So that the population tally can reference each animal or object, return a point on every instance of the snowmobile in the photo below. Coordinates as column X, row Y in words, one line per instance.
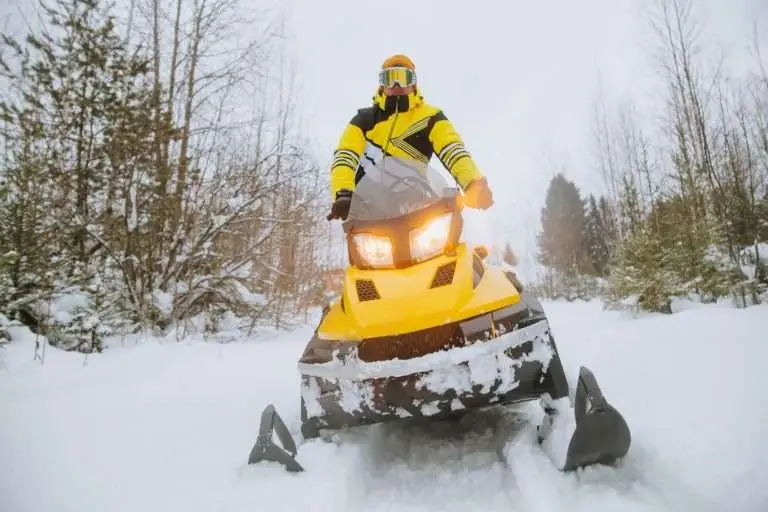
column 426, row 327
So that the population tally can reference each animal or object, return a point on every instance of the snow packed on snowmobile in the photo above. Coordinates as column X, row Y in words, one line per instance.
column 426, row 327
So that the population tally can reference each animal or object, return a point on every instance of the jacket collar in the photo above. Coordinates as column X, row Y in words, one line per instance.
column 415, row 99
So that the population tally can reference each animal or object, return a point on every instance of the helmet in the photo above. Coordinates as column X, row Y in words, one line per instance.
column 399, row 60
column 397, row 69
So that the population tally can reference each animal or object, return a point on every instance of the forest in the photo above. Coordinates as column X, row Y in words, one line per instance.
column 154, row 173
column 684, row 206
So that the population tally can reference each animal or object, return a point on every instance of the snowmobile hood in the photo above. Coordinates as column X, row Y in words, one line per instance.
column 445, row 289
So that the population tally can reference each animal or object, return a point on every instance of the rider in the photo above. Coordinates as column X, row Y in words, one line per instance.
column 402, row 124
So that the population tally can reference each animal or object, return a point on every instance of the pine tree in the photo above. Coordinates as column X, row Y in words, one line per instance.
column 562, row 246
column 29, row 227
column 77, row 133
column 561, row 243
column 136, row 179
column 610, row 227
column 641, row 273
column 761, row 274
column 644, row 268
column 596, row 239
column 509, row 257
column 762, row 209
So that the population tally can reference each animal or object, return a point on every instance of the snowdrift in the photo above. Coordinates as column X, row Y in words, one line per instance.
column 158, row 426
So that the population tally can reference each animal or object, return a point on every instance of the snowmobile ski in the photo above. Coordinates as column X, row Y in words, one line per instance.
column 600, row 436
column 265, row 447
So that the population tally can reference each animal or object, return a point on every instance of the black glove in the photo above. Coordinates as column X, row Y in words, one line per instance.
column 340, row 208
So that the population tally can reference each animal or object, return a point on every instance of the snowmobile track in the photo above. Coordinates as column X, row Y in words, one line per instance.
column 495, row 453
column 419, row 461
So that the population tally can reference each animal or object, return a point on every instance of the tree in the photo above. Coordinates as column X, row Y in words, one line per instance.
column 597, row 238
column 561, row 244
column 685, row 206
column 153, row 186
column 509, row 257
column 76, row 126
column 610, row 225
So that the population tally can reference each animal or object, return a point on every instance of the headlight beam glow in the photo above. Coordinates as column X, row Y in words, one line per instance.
column 375, row 250
column 430, row 239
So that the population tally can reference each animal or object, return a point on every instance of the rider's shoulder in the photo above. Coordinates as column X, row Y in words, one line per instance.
column 430, row 107
column 364, row 118
column 433, row 112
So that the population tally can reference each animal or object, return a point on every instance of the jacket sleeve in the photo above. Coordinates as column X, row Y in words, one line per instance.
column 450, row 149
column 346, row 158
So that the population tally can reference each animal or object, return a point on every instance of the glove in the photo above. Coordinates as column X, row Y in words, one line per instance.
column 340, row 207
column 478, row 195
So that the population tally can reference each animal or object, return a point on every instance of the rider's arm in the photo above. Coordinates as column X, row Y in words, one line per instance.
column 450, row 149
column 346, row 158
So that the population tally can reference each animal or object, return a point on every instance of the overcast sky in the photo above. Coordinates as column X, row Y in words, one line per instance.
column 516, row 77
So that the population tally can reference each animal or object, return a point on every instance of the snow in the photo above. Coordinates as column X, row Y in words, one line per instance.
column 478, row 354
column 163, row 301
column 159, row 425
column 559, row 431
column 133, row 220
column 485, row 364
column 249, row 297
column 64, row 306
column 748, row 256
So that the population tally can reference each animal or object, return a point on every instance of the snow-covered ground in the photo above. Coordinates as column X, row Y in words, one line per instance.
column 168, row 426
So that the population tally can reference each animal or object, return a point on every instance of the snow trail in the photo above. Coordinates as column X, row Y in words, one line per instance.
column 168, row 426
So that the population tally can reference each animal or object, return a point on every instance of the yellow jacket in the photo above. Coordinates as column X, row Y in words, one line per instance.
column 417, row 131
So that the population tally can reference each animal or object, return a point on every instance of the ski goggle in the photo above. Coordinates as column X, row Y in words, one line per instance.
column 403, row 77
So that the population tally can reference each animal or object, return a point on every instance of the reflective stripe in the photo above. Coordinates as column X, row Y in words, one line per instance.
column 452, row 153
column 410, row 150
column 345, row 157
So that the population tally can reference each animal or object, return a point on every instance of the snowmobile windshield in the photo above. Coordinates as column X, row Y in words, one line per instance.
column 395, row 187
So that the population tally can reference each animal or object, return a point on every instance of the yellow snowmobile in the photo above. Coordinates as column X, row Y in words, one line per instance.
column 425, row 327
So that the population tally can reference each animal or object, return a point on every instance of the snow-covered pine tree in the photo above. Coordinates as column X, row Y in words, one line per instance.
column 153, row 191
column 77, row 132
column 643, row 272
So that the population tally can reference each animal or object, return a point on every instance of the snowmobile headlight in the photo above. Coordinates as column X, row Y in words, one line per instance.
column 430, row 239
column 375, row 250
